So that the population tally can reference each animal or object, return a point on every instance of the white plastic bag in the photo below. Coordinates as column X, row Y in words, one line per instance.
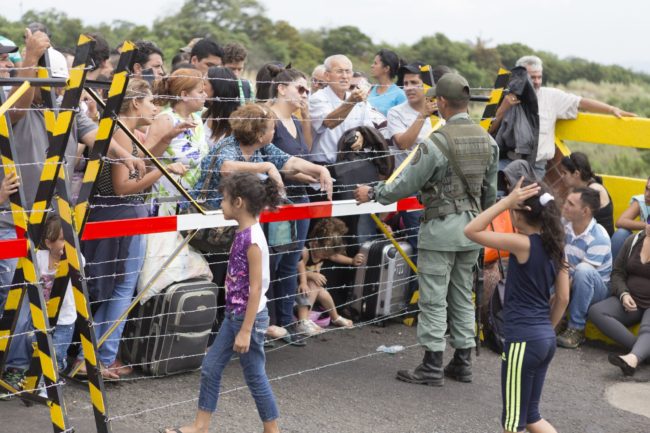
column 188, row 264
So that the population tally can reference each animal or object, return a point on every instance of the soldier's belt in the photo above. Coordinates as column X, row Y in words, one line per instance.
column 454, row 207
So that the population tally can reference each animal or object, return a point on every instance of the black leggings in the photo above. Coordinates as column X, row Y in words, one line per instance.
column 612, row 320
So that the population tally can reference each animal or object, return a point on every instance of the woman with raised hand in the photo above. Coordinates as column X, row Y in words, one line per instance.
column 632, row 219
column 184, row 93
column 116, row 262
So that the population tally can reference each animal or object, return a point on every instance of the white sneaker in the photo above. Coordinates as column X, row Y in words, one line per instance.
column 304, row 327
column 314, row 327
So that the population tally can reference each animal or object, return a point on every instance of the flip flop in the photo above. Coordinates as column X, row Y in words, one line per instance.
column 165, row 430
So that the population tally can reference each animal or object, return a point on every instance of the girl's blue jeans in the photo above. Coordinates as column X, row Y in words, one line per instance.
column 252, row 362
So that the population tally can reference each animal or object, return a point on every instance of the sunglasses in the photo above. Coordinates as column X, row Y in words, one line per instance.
column 302, row 90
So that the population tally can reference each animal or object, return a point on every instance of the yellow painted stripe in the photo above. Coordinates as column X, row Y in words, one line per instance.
column 50, row 120
column 29, row 272
column 13, row 298
column 89, row 350
column 104, row 129
column 96, row 398
column 56, row 415
column 63, row 122
column 11, row 100
column 19, row 215
column 72, row 256
column 47, row 365
column 92, row 169
column 37, row 317
column 38, row 212
column 80, row 302
column 4, row 339
column 4, row 128
column 83, row 39
column 53, row 306
column 76, row 75
column 118, row 84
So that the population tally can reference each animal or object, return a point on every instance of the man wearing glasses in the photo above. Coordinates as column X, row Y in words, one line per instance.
column 335, row 109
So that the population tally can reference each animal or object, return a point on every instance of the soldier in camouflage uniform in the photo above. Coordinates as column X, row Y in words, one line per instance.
column 446, row 256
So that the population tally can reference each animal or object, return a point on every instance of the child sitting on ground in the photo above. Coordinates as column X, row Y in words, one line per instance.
column 326, row 243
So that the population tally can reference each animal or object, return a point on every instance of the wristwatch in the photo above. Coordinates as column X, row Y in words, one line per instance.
column 371, row 193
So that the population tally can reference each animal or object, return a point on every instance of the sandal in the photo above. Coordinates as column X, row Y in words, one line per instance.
column 165, row 430
column 342, row 322
column 120, row 369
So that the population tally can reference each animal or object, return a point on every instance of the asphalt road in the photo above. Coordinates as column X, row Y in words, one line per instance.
column 338, row 383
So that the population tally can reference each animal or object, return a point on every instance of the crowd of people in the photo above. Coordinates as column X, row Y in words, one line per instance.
column 238, row 146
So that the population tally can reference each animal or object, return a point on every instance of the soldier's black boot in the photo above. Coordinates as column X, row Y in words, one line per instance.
column 460, row 367
column 429, row 372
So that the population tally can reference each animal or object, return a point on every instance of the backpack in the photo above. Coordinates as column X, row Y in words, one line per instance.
column 493, row 334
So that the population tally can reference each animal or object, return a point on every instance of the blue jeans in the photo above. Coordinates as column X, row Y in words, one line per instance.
column 252, row 363
column 587, row 288
column 618, row 238
column 285, row 267
column 111, row 309
column 61, row 339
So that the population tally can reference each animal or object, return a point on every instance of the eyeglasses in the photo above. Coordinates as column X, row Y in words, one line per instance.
column 302, row 90
column 342, row 71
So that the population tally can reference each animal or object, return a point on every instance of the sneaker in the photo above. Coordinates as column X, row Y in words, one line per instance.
column 572, row 338
column 14, row 377
column 315, row 329
column 293, row 338
column 303, row 327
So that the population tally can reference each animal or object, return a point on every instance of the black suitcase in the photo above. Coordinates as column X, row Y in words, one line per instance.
column 382, row 282
column 169, row 333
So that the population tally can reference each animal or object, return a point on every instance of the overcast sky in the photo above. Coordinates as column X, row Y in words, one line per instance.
column 603, row 31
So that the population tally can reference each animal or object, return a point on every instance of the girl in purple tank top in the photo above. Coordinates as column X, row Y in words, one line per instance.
column 246, row 319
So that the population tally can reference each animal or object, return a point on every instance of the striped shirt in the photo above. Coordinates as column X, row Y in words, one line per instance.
column 592, row 246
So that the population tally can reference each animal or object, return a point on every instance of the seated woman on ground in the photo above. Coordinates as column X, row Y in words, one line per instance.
column 632, row 219
column 577, row 173
column 326, row 242
column 630, row 305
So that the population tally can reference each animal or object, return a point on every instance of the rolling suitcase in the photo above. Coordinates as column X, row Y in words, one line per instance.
column 169, row 333
column 382, row 282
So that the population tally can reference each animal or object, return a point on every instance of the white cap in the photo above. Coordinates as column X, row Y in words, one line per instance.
column 58, row 64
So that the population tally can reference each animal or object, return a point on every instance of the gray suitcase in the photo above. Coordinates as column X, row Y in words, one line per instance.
column 381, row 285
column 169, row 333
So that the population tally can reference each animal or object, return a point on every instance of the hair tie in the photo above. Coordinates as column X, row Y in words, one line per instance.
column 545, row 198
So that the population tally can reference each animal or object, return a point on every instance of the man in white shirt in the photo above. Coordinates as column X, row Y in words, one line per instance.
column 335, row 109
column 553, row 104
column 408, row 123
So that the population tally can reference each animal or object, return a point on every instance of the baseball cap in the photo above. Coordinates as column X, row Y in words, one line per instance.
column 450, row 86
column 411, row 68
column 58, row 64
column 9, row 47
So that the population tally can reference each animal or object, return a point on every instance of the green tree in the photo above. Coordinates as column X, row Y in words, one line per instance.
column 348, row 40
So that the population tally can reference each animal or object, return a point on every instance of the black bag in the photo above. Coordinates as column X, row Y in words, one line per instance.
column 213, row 240
column 169, row 333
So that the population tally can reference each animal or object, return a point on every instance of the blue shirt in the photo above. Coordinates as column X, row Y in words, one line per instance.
column 526, row 309
column 593, row 247
column 294, row 146
column 384, row 102
column 228, row 150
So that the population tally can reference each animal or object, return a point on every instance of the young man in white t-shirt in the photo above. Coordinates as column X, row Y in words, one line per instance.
column 409, row 122
column 553, row 104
